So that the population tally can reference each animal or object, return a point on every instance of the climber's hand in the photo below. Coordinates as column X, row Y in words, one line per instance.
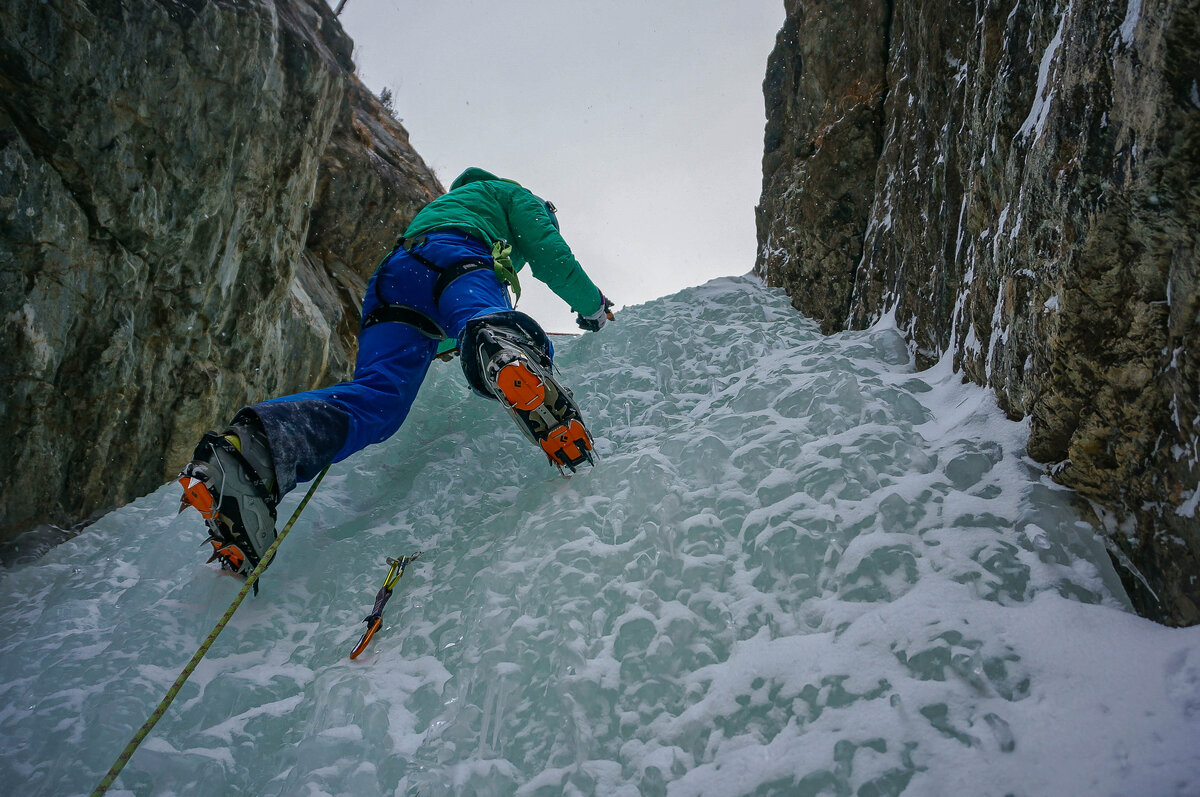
column 593, row 322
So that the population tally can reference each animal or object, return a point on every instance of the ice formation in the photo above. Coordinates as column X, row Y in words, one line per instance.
column 799, row 568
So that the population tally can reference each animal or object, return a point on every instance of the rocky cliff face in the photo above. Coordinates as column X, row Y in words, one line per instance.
column 1019, row 182
column 192, row 195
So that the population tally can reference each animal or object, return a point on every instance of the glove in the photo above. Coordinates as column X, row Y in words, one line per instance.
column 593, row 322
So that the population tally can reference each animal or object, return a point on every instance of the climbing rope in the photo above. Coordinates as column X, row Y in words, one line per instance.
column 157, row 714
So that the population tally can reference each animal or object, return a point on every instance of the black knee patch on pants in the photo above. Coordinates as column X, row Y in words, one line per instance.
column 304, row 437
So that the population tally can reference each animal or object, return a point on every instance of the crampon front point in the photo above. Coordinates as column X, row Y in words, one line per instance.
column 196, row 494
column 569, row 445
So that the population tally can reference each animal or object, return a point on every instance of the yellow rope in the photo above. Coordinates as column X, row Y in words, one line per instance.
column 157, row 714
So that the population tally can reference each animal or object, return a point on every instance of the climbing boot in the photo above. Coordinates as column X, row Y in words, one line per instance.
column 231, row 482
column 541, row 406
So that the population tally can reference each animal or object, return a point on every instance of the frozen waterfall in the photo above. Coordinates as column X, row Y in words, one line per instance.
column 799, row 568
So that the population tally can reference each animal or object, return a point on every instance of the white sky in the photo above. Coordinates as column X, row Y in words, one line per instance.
column 641, row 120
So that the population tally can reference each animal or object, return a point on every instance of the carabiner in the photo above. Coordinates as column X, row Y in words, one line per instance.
column 374, row 620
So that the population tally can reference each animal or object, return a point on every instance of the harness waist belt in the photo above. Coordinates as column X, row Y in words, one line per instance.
column 410, row 244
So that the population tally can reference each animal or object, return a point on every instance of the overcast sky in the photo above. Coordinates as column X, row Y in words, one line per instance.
column 642, row 121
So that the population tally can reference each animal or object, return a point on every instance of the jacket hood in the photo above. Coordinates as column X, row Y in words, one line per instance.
column 472, row 175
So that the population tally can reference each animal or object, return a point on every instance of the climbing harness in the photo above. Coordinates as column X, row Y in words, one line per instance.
column 375, row 619
column 501, row 266
column 165, row 703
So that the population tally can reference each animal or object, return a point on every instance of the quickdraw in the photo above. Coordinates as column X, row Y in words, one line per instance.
column 374, row 620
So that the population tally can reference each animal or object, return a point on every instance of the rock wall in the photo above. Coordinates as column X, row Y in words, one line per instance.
column 1019, row 183
column 192, row 196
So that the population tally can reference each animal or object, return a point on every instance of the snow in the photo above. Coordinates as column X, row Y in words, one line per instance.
column 1043, row 96
column 1133, row 12
column 1190, row 501
column 800, row 567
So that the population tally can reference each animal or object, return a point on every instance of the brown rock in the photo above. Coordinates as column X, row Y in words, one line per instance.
column 1032, row 211
column 187, row 220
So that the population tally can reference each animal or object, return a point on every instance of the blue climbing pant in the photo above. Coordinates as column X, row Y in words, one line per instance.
column 428, row 282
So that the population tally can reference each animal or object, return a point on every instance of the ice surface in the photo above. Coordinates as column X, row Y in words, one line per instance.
column 800, row 568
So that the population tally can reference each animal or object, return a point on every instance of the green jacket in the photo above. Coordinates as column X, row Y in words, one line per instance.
column 495, row 209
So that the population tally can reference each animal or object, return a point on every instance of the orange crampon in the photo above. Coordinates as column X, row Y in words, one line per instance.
column 568, row 445
column 196, row 494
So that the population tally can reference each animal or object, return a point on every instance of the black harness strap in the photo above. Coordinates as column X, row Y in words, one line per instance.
column 411, row 245
column 447, row 274
column 453, row 272
column 400, row 314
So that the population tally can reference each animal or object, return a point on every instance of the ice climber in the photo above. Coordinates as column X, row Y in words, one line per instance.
column 446, row 281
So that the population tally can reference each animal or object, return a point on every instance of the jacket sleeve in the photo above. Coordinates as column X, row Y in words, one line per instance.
column 537, row 241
